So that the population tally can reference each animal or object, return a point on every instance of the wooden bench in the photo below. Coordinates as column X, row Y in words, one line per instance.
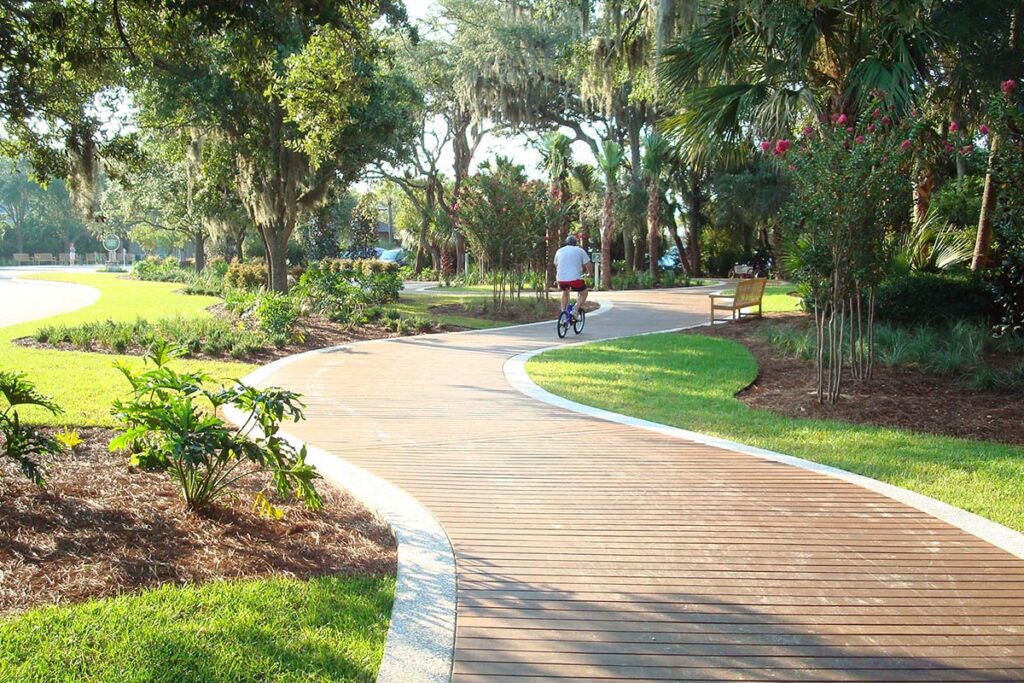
column 22, row 259
column 40, row 259
column 748, row 294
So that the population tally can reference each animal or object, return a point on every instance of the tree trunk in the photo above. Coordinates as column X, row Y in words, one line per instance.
column 983, row 241
column 627, row 245
column 696, row 221
column 200, row 241
column 923, row 194
column 607, row 228
column 276, row 242
column 653, row 225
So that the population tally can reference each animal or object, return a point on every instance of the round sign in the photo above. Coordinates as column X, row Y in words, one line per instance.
column 111, row 242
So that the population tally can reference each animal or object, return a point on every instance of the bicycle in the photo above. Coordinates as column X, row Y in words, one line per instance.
column 569, row 317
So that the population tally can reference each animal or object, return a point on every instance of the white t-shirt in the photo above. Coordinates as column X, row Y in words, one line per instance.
column 569, row 262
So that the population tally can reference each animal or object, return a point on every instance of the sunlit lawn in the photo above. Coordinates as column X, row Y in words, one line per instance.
column 690, row 382
column 273, row 631
column 85, row 384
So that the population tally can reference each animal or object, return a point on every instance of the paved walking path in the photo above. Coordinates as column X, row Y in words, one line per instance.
column 592, row 550
column 25, row 300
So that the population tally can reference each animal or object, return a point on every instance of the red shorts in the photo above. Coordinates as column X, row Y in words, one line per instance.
column 574, row 285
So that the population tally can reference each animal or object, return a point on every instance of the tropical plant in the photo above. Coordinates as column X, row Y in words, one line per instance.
column 556, row 153
column 170, row 423
column 610, row 161
column 24, row 443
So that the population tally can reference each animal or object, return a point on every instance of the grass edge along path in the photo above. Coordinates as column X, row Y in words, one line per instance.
column 276, row 630
column 83, row 383
column 691, row 381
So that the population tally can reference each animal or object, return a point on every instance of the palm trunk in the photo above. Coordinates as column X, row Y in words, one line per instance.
column 607, row 228
column 983, row 241
column 653, row 225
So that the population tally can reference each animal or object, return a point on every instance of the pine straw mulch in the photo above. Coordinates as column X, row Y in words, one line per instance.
column 895, row 397
column 102, row 528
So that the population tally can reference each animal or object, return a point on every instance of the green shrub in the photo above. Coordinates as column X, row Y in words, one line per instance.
column 212, row 336
column 23, row 443
column 278, row 315
column 160, row 270
column 170, row 423
column 207, row 283
column 246, row 275
column 928, row 297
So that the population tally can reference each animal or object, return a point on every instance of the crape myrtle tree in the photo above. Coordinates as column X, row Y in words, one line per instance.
column 302, row 92
column 840, row 220
column 505, row 218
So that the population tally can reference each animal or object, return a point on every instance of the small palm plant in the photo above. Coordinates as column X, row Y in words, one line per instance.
column 170, row 423
column 23, row 443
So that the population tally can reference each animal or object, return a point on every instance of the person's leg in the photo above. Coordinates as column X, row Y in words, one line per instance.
column 565, row 298
column 581, row 298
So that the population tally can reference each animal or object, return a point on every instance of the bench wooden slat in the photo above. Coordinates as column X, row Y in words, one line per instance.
column 749, row 293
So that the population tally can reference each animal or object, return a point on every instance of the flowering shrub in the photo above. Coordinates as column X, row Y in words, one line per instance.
column 845, row 205
column 504, row 217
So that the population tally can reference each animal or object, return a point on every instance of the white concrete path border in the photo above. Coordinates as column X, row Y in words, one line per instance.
column 998, row 535
column 420, row 644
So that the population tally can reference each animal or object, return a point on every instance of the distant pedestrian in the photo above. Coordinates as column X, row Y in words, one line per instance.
column 71, row 254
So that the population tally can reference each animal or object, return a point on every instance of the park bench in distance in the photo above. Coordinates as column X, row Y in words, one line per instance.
column 21, row 259
column 748, row 294
column 41, row 259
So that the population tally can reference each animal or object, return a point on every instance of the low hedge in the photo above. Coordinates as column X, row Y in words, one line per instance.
column 927, row 297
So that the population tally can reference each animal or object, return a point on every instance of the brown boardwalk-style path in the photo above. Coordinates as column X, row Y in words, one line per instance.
column 622, row 554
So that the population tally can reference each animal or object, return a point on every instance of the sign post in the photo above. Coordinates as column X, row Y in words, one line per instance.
column 595, row 257
column 111, row 243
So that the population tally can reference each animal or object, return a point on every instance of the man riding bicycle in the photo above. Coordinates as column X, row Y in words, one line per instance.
column 570, row 263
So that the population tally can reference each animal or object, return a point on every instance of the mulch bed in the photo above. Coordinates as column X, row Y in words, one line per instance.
column 101, row 528
column 896, row 397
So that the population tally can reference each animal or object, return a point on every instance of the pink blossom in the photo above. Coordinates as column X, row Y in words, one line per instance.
column 953, row 126
column 765, row 145
column 846, row 144
column 808, row 131
column 849, row 129
column 835, row 117
column 949, row 148
column 782, row 146
column 886, row 120
column 983, row 129
column 1008, row 86
column 871, row 128
column 876, row 113
column 859, row 139
column 905, row 145
column 842, row 119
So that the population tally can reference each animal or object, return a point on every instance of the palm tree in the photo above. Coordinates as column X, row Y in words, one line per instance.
column 757, row 69
column 583, row 184
column 556, row 153
column 610, row 159
column 656, row 151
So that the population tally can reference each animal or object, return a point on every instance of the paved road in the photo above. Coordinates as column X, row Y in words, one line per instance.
column 621, row 554
column 25, row 300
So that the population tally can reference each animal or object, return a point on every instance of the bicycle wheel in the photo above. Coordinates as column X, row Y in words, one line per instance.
column 581, row 320
column 563, row 324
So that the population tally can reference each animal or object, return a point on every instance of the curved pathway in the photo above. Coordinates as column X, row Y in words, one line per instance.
column 25, row 300
column 619, row 553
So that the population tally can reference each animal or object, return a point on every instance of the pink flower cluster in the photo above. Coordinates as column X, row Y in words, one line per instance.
column 780, row 148
column 1008, row 86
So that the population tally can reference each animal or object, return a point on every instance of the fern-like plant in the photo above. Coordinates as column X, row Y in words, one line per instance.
column 25, row 444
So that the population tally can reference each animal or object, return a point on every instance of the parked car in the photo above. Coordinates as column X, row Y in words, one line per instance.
column 670, row 260
column 399, row 256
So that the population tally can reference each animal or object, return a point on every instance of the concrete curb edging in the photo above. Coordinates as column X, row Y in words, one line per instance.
column 998, row 535
column 420, row 643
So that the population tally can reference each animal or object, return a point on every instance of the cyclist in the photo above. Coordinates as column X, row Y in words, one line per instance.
column 570, row 262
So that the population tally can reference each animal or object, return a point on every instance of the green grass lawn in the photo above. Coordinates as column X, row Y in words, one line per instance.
column 779, row 297
column 690, row 381
column 277, row 630
column 420, row 304
column 85, row 384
